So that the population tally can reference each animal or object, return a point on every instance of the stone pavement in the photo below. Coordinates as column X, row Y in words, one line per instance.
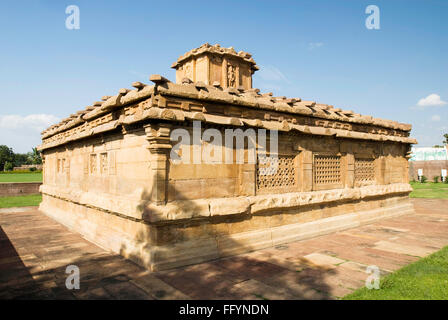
column 35, row 250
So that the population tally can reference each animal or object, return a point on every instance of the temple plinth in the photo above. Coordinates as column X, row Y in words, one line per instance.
column 170, row 174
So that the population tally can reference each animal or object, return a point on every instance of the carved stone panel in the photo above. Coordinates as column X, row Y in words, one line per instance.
column 188, row 70
column 231, row 76
column 104, row 164
column 93, row 164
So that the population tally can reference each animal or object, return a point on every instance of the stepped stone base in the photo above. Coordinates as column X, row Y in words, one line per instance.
column 165, row 245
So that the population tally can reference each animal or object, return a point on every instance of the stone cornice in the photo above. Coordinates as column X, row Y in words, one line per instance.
column 98, row 109
column 162, row 108
column 252, row 99
column 177, row 102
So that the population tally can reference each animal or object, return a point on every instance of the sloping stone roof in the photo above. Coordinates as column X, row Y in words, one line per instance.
column 214, row 94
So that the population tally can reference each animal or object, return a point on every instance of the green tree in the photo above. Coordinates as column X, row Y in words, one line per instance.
column 6, row 155
column 8, row 166
column 446, row 138
column 20, row 159
column 35, row 157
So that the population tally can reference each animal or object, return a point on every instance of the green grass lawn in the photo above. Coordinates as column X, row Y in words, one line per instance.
column 426, row 279
column 20, row 201
column 429, row 190
column 21, row 177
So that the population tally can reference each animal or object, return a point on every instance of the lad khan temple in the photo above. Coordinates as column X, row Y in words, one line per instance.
column 109, row 173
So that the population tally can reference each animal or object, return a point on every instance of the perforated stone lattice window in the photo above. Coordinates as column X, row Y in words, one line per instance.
column 327, row 170
column 364, row 170
column 276, row 172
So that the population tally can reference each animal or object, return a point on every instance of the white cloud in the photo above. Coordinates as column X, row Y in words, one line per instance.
column 435, row 118
column 22, row 133
column 431, row 101
column 314, row 45
column 270, row 73
column 36, row 122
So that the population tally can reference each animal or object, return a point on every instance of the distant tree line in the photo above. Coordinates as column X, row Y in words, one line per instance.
column 9, row 159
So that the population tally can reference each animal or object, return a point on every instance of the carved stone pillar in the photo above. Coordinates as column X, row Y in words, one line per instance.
column 381, row 171
column 348, row 161
column 158, row 136
column 306, row 158
column 43, row 168
column 247, row 177
column 350, row 177
column 383, row 177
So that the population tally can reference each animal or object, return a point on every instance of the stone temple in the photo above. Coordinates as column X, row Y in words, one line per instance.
column 110, row 174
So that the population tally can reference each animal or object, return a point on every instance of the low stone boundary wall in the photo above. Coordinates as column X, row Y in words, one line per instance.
column 19, row 188
column 431, row 168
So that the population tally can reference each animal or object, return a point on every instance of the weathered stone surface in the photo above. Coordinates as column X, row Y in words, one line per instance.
column 141, row 173
column 177, row 210
column 36, row 251
column 403, row 249
column 226, row 207
column 323, row 259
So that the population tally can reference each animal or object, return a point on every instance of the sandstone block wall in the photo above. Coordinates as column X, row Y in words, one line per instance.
column 109, row 171
column 19, row 188
column 430, row 168
column 121, row 194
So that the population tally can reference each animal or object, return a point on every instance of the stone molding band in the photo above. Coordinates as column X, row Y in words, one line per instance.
column 179, row 115
column 149, row 212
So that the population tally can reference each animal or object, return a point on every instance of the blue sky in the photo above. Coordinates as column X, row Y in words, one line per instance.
column 315, row 50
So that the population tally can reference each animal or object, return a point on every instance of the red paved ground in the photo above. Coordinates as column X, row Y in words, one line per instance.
column 35, row 250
